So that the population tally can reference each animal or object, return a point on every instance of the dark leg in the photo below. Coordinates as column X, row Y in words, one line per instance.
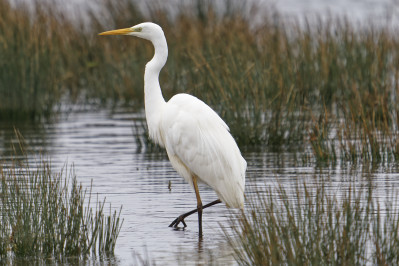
column 180, row 219
column 199, row 209
column 200, row 220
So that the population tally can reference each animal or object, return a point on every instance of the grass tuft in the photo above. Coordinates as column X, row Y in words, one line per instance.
column 312, row 225
column 49, row 215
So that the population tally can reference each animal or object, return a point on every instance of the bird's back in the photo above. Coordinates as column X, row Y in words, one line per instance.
column 198, row 142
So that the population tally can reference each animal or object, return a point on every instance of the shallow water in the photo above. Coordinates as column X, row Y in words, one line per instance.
column 103, row 147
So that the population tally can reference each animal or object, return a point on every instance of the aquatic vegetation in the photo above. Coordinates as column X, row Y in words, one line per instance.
column 46, row 58
column 28, row 68
column 309, row 224
column 49, row 215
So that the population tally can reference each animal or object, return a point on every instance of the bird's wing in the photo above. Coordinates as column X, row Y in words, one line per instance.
column 194, row 135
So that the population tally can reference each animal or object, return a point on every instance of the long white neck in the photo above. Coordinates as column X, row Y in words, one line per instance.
column 154, row 101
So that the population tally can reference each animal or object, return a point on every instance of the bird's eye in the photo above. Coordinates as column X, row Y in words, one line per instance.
column 138, row 29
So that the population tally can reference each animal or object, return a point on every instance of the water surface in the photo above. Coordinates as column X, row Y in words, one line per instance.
column 103, row 147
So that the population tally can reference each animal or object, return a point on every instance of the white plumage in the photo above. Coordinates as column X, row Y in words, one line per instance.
column 198, row 142
column 196, row 139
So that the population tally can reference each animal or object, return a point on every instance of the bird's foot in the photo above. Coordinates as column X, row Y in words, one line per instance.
column 177, row 221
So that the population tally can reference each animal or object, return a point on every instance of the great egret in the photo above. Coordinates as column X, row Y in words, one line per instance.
column 196, row 139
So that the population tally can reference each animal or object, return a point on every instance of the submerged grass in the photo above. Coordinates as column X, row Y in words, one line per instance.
column 325, row 86
column 49, row 215
column 309, row 225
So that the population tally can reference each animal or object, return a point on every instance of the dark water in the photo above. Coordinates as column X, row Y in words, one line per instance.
column 103, row 147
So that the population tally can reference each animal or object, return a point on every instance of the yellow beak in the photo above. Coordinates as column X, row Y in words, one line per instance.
column 117, row 32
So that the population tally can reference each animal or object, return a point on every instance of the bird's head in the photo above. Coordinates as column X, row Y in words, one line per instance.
column 146, row 30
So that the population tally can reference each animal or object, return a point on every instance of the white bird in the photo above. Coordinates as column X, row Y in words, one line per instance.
column 197, row 141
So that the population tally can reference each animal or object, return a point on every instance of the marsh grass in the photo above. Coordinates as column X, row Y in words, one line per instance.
column 46, row 58
column 325, row 86
column 309, row 224
column 280, row 86
column 49, row 215
column 28, row 76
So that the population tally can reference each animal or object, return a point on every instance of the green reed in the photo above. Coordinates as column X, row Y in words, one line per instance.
column 49, row 215
column 307, row 224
